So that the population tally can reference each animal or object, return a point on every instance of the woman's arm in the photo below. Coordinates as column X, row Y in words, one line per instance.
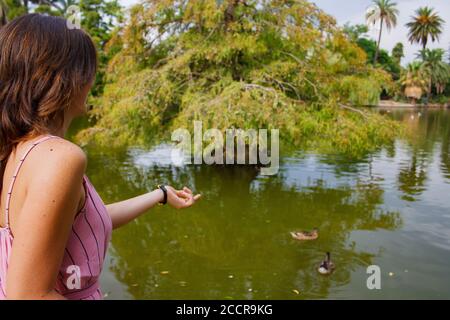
column 41, row 228
column 125, row 211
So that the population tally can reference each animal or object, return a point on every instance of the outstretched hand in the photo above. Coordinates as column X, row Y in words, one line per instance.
column 180, row 199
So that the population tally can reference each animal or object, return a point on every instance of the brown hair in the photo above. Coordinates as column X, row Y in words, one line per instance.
column 43, row 65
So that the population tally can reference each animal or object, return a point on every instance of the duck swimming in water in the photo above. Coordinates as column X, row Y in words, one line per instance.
column 305, row 235
column 327, row 266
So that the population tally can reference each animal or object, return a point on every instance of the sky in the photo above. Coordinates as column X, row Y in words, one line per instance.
column 353, row 11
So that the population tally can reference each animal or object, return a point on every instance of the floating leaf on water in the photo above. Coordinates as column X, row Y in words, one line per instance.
column 183, row 283
column 164, row 272
column 295, row 291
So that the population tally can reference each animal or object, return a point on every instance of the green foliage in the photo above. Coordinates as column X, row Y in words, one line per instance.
column 277, row 64
column 332, row 130
column 358, row 34
column 99, row 19
column 398, row 53
column 355, row 32
column 426, row 25
column 14, row 8
column 387, row 62
column 428, row 73
column 47, row 9
column 362, row 90
column 414, row 75
column 435, row 67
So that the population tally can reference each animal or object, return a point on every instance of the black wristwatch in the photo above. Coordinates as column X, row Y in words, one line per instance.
column 163, row 188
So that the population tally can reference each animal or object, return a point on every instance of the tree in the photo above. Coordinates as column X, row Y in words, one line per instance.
column 424, row 25
column 355, row 32
column 437, row 70
column 100, row 18
column 384, row 12
column 387, row 62
column 53, row 7
column 414, row 80
column 16, row 8
column 398, row 53
column 65, row 4
column 265, row 64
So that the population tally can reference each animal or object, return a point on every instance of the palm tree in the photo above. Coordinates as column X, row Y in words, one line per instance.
column 437, row 70
column 385, row 12
column 398, row 52
column 426, row 24
column 3, row 13
column 414, row 80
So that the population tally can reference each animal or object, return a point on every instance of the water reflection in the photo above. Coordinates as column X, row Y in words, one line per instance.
column 429, row 138
column 236, row 242
column 412, row 177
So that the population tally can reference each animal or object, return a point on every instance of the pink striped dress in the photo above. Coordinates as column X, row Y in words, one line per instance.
column 78, row 276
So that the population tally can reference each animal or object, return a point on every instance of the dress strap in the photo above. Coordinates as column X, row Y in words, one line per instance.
column 13, row 180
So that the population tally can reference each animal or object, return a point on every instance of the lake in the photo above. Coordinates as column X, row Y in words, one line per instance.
column 390, row 209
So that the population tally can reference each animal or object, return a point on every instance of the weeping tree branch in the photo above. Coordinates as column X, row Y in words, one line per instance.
column 363, row 114
column 343, row 106
column 282, row 85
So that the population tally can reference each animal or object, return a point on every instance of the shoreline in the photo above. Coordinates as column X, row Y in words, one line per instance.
column 390, row 104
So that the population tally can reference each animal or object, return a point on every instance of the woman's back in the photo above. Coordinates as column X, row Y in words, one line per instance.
column 85, row 249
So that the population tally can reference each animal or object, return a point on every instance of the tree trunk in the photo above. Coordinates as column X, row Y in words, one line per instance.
column 3, row 19
column 229, row 12
column 430, row 87
column 375, row 59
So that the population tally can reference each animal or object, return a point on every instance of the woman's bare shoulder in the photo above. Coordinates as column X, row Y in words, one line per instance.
column 59, row 156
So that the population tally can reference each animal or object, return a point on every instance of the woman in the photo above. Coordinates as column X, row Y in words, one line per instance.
column 55, row 228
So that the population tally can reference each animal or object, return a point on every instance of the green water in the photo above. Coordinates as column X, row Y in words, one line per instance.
column 390, row 209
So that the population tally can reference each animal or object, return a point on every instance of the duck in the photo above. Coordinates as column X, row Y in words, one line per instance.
column 305, row 235
column 326, row 266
